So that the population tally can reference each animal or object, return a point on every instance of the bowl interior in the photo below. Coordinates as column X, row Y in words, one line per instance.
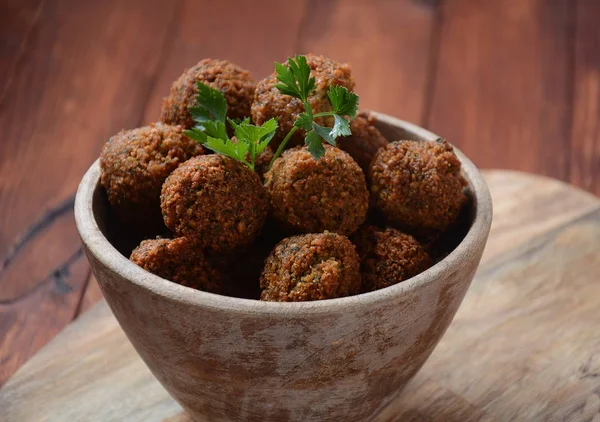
column 124, row 240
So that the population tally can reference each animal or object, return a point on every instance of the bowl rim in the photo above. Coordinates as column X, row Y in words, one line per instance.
column 102, row 250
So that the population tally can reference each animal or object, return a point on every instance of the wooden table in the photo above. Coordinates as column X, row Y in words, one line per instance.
column 523, row 346
column 513, row 83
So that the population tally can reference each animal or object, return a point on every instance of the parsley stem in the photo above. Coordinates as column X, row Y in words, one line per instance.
column 282, row 145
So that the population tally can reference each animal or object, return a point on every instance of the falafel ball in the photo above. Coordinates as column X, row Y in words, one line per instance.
column 178, row 260
column 365, row 140
column 269, row 102
column 262, row 161
column 135, row 163
column 388, row 256
column 216, row 201
column 311, row 267
column 417, row 185
column 310, row 196
column 234, row 82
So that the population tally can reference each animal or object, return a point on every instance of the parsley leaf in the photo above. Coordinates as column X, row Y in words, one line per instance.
column 343, row 102
column 228, row 147
column 295, row 79
column 287, row 85
column 212, row 104
column 216, row 129
column 304, row 121
column 209, row 114
column 252, row 134
column 341, row 127
column 315, row 146
column 256, row 138
column 324, row 132
column 271, row 128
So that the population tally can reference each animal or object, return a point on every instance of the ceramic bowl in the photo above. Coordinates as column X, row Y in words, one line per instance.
column 231, row 359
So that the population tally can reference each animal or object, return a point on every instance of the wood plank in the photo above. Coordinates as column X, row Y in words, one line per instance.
column 91, row 296
column 513, row 229
column 528, row 326
column 72, row 90
column 585, row 138
column 237, row 30
column 18, row 19
column 388, row 43
column 97, row 333
column 503, row 83
column 35, row 317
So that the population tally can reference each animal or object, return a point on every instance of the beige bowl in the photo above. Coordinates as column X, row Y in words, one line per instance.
column 226, row 359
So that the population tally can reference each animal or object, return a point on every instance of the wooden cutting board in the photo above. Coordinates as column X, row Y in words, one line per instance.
column 525, row 344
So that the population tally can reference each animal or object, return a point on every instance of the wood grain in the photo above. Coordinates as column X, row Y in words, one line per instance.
column 91, row 296
column 54, row 122
column 585, row 136
column 503, row 83
column 200, row 33
column 66, row 91
column 514, row 83
column 17, row 21
column 388, row 43
column 528, row 326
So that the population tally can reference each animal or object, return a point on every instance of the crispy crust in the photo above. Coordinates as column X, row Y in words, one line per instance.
column 365, row 140
column 134, row 165
column 215, row 201
column 178, row 260
column 263, row 161
column 388, row 256
column 311, row 267
column 234, row 82
column 417, row 185
column 310, row 196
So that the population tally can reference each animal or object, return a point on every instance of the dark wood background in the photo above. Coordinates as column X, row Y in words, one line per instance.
column 513, row 83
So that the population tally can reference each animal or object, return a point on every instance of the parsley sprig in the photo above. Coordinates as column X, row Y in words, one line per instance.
column 295, row 80
column 211, row 131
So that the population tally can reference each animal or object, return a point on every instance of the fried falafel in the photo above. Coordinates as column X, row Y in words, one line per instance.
column 269, row 102
column 262, row 162
column 310, row 196
column 134, row 165
column 216, row 201
column 234, row 82
column 365, row 140
column 311, row 267
column 417, row 185
column 388, row 256
column 178, row 260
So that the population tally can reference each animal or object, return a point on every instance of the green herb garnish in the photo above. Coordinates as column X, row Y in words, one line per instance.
column 210, row 130
column 255, row 137
column 294, row 80
column 209, row 114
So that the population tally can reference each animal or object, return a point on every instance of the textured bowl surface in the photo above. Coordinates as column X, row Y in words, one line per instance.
column 228, row 359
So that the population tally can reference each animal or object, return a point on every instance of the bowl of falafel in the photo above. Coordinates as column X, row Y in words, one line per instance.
column 275, row 253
